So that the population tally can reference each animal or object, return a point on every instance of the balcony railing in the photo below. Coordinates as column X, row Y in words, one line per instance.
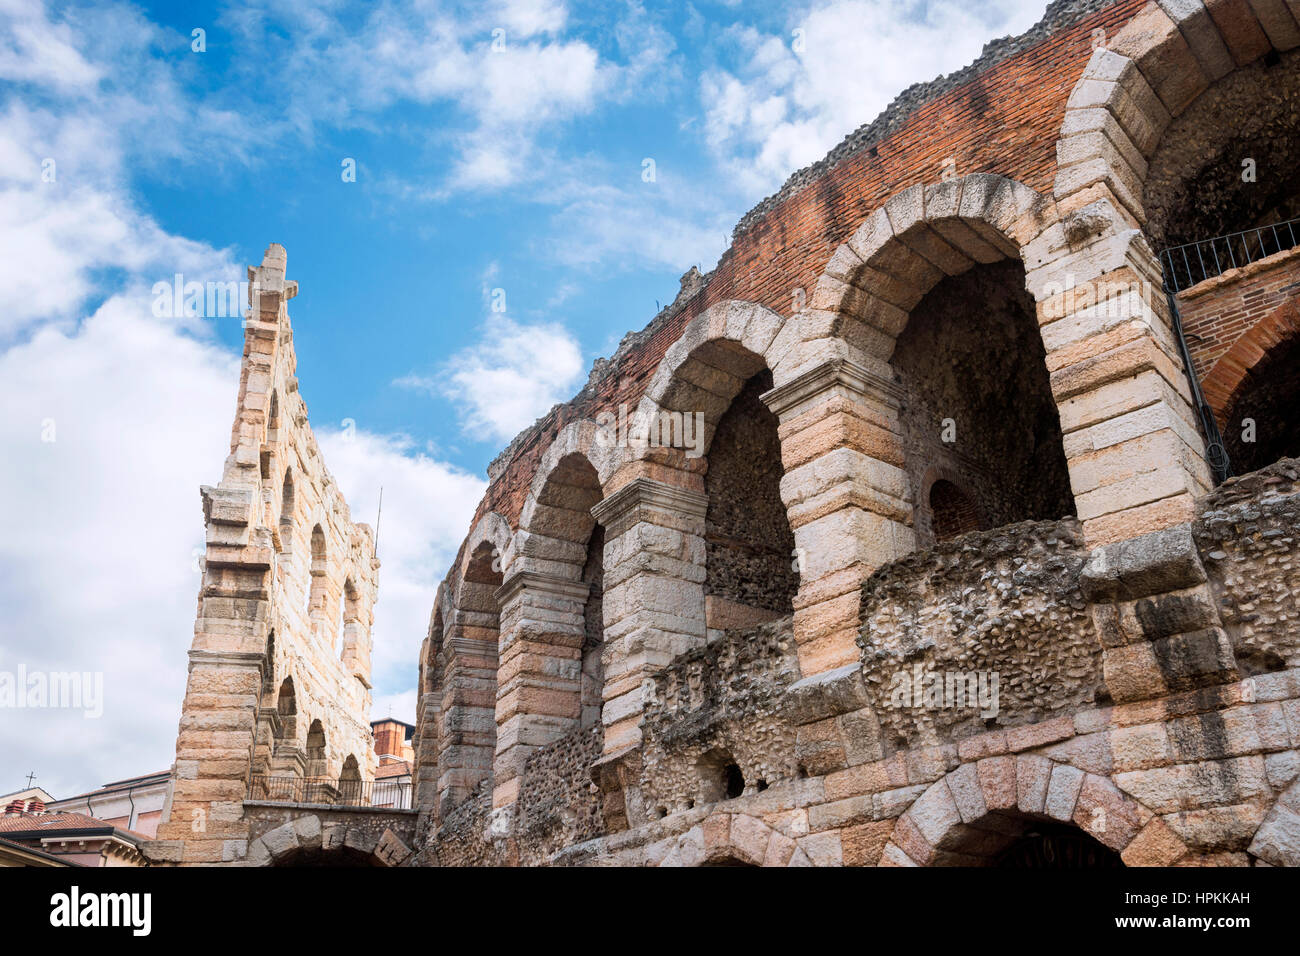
column 392, row 792
column 1186, row 265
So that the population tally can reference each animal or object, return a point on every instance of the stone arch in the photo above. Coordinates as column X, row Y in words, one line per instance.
column 976, row 811
column 549, row 648
column 540, row 522
column 286, row 702
column 268, row 670
column 706, row 367
column 287, row 501
column 1136, row 85
column 731, row 839
column 1258, row 375
column 318, row 585
column 428, row 730
column 317, row 749
column 350, row 623
column 309, row 841
column 273, row 418
column 351, row 789
column 493, row 529
column 859, row 423
column 905, row 248
column 714, row 376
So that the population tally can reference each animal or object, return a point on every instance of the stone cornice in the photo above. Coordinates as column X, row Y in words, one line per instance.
column 538, row 582
column 226, row 658
column 648, row 493
column 836, row 372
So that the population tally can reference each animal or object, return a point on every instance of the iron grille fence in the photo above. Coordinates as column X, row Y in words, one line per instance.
column 391, row 792
column 1194, row 262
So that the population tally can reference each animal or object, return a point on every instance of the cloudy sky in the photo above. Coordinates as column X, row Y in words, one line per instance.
column 569, row 159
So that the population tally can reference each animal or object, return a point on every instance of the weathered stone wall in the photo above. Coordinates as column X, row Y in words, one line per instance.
column 1005, row 603
column 559, row 802
column 716, row 706
column 289, row 586
column 1248, row 534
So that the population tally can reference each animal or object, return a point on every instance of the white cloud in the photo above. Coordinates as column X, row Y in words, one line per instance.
column 427, row 506
column 782, row 110
column 35, row 50
column 100, row 528
column 529, row 17
column 511, row 376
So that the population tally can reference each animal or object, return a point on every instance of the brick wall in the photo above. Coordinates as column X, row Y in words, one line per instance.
column 1218, row 312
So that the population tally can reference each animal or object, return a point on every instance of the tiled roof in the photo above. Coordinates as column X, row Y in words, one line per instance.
column 398, row 768
column 29, row 823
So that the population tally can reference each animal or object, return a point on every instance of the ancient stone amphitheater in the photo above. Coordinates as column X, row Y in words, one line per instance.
column 904, row 537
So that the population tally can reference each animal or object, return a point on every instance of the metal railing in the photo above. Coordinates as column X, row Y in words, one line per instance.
column 391, row 792
column 1194, row 262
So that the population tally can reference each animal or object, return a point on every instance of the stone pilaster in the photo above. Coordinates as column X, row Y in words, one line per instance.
column 654, row 610
column 654, row 593
column 846, row 494
column 467, row 729
column 1132, row 442
column 539, row 673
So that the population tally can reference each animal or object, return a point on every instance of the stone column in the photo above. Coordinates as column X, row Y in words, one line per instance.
column 467, row 729
column 848, row 499
column 653, row 610
column 425, row 782
column 1135, row 454
column 539, row 674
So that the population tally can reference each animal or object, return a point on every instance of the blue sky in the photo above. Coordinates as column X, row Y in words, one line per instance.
column 497, row 146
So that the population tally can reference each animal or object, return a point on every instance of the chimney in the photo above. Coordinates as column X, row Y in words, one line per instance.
column 15, row 808
column 388, row 738
column 36, row 806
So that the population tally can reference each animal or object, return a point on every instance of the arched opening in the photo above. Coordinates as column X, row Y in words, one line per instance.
column 285, row 705
column 952, row 511
column 286, row 510
column 563, row 513
column 468, row 685
column 1230, row 162
column 349, row 625
column 1263, row 422
column 318, row 590
column 751, row 569
column 1012, row 839
column 350, row 785
column 340, row 856
column 977, row 403
column 593, row 643
column 316, row 756
column 1222, row 200
column 273, row 418
column 1056, row 846
column 268, row 670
